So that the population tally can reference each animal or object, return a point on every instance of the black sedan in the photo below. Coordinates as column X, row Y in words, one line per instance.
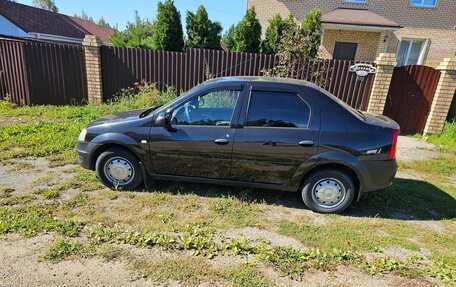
column 258, row 132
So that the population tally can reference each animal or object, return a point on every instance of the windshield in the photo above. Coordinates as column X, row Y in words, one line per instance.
column 181, row 96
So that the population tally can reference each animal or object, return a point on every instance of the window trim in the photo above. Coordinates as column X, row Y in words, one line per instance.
column 280, row 92
column 355, row 1
column 423, row 5
column 409, row 48
column 204, row 93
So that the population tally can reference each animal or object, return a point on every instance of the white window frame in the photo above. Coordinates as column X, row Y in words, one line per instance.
column 423, row 5
column 409, row 49
column 355, row 1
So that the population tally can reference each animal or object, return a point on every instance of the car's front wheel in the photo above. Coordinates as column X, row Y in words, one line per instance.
column 328, row 191
column 119, row 169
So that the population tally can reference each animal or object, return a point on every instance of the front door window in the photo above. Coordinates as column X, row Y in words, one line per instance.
column 409, row 52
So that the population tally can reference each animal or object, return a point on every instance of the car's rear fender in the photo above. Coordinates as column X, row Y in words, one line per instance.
column 331, row 158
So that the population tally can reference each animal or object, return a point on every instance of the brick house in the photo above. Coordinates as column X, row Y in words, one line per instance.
column 20, row 20
column 418, row 31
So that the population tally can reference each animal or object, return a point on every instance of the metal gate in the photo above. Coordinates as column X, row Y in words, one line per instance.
column 410, row 96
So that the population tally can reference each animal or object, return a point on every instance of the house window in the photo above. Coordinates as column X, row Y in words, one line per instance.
column 355, row 1
column 424, row 3
column 409, row 52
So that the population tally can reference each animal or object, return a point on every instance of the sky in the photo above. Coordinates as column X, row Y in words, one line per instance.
column 120, row 12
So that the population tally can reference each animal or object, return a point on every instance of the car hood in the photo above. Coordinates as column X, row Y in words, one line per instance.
column 118, row 117
column 380, row 120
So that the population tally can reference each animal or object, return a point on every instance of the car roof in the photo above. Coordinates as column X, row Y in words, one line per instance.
column 254, row 79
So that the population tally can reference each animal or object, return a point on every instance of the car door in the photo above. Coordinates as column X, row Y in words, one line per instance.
column 200, row 142
column 280, row 132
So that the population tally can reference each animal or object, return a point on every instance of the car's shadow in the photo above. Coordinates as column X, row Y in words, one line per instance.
column 407, row 199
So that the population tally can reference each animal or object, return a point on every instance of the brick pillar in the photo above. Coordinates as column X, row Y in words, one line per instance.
column 92, row 52
column 385, row 67
column 442, row 97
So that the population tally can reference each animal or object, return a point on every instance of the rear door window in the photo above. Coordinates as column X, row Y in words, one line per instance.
column 278, row 110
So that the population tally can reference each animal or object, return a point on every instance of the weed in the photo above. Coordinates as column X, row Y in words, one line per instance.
column 248, row 275
column 62, row 249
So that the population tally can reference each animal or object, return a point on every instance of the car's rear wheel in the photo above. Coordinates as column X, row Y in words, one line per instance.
column 119, row 169
column 328, row 191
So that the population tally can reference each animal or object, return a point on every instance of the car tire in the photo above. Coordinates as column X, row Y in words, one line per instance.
column 328, row 191
column 119, row 169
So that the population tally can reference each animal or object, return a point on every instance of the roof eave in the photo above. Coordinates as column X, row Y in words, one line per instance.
column 360, row 27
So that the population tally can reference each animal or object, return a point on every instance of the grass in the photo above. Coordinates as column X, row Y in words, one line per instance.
column 52, row 131
column 61, row 250
column 447, row 139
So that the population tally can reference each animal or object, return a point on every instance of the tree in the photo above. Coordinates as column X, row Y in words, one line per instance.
column 46, row 5
column 102, row 22
column 168, row 34
column 292, row 49
column 138, row 34
column 228, row 37
column 270, row 44
column 84, row 16
column 247, row 34
column 311, row 26
column 202, row 32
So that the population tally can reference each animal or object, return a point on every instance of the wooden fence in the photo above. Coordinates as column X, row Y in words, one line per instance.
column 122, row 67
column 42, row 73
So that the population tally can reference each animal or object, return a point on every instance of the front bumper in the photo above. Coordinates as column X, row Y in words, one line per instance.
column 85, row 152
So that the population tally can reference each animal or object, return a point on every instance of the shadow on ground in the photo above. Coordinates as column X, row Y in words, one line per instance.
column 407, row 199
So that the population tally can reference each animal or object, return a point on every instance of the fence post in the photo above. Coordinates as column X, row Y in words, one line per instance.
column 92, row 53
column 385, row 68
column 442, row 97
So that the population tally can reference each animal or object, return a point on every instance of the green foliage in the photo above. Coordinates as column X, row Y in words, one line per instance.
column 270, row 44
column 311, row 26
column 102, row 22
column 46, row 5
column 202, row 32
column 136, row 35
column 228, row 37
column 447, row 139
column 168, row 34
column 246, row 37
column 61, row 249
column 292, row 49
column 248, row 275
column 33, row 219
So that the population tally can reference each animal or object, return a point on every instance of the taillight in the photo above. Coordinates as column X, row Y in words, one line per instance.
column 392, row 154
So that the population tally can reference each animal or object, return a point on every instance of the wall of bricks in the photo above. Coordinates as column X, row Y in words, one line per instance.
column 368, row 43
column 92, row 53
column 443, row 97
column 433, row 24
column 385, row 68
column 401, row 11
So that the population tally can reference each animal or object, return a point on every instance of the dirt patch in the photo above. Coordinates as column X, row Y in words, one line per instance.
column 37, row 175
column 21, row 267
column 412, row 149
column 256, row 233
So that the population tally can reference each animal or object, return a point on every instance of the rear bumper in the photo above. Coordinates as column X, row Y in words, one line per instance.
column 380, row 174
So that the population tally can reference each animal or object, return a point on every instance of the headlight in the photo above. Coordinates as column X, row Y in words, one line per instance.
column 82, row 135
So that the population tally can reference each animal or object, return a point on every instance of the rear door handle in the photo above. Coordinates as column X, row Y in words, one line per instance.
column 221, row 141
column 306, row 143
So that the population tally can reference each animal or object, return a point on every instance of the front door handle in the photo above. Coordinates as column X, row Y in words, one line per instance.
column 306, row 143
column 221, row 141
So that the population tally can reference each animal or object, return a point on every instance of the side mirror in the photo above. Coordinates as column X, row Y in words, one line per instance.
column 164, row 120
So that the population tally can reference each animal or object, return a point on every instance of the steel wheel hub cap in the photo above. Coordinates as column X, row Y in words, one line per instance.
column 328, row 192
column 119, row 171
